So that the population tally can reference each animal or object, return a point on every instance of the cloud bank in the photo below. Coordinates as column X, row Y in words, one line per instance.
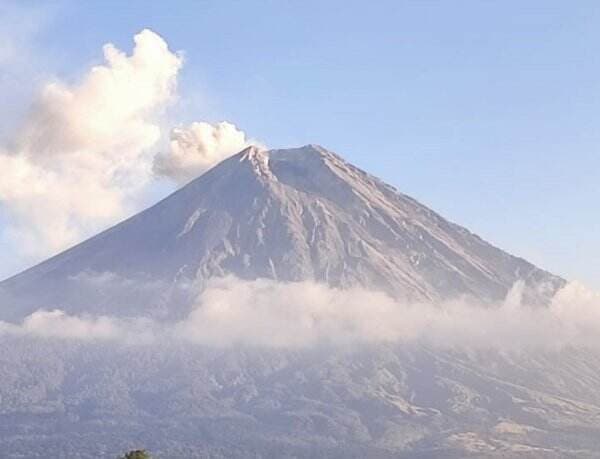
column 267, row 314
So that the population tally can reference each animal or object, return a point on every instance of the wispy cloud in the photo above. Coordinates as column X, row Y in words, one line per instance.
column 22, row 61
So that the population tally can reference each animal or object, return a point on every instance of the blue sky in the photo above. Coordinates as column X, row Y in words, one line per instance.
column 485, row 111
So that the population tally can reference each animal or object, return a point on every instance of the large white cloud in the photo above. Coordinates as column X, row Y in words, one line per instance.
column 198, row 147
column 84, row 150
column 85, row 153
column 112, row 111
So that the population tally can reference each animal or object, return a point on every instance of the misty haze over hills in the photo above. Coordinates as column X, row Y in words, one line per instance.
column 288, row 304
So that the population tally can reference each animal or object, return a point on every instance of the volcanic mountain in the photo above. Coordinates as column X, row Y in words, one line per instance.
column 295, row 214
column 73, row 384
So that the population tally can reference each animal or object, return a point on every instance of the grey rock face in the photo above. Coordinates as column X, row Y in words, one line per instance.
column 298, row 214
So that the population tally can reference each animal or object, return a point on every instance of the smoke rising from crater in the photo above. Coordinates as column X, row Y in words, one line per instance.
column 196, row 148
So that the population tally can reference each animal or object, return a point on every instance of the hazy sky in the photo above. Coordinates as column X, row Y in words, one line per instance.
column 485, row 111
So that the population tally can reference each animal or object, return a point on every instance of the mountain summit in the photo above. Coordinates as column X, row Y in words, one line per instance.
column 290, row 215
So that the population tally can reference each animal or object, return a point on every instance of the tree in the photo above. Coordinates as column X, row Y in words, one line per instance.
column 136, row 454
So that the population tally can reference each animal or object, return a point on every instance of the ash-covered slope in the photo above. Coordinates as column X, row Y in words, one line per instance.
column 284, row 214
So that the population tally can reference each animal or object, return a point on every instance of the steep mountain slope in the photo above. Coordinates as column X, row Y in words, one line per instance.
column 284, row 214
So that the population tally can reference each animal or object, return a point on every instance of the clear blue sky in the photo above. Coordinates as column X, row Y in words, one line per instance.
column 487, row 112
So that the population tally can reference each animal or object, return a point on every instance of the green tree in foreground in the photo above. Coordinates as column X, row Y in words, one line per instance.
column 136, row 454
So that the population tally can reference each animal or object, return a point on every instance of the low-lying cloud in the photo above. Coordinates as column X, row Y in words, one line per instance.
column 268, row 314
column 57, row 324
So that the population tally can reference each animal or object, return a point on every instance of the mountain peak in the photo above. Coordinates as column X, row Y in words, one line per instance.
column 254, row 153
column 250, row 152
column 310, row 162
column 311, row 151
column 257, row 159
column 304, row 153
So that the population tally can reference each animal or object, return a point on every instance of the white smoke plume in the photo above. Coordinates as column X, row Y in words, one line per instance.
column 196, row 148
column 84, row 149
column 232, row 312
column 84, row 155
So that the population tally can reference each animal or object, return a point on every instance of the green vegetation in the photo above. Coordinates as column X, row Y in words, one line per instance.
column 136, row 454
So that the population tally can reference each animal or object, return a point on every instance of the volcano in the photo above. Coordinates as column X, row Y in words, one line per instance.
column 288, row 215
column 272, row 218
